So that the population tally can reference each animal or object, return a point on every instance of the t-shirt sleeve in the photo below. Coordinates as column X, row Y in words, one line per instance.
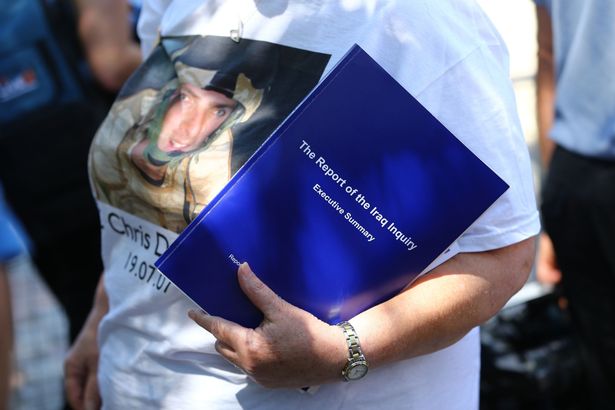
column 148, row 26
column 474, row 99
column 455, row 63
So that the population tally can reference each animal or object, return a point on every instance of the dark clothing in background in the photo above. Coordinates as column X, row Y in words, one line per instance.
column 579, row 215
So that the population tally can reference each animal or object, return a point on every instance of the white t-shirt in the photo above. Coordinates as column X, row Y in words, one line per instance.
column 446, row 53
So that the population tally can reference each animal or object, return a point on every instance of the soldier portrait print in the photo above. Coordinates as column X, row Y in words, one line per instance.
column 190, row 117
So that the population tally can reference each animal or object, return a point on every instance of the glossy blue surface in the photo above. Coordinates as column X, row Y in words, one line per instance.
column 377, row 139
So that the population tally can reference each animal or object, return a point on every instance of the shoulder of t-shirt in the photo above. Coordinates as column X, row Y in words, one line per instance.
column 421, row 40
column 148, row 25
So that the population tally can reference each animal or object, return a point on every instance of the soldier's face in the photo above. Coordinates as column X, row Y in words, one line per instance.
column 193, row 115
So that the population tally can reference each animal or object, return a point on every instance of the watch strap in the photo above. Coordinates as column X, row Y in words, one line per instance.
column 355, row 354
column 352, row 339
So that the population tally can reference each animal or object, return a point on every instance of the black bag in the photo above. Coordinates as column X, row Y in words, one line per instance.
column 530, row 359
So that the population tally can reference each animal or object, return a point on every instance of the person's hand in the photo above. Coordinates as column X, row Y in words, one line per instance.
column 547, row 271
column 290, row 348
column 81, row 365
column 106, row 35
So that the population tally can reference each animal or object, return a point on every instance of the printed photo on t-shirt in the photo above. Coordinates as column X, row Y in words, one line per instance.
column 190, row 117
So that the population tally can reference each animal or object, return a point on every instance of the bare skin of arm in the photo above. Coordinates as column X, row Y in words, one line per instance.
column 6, row 338
column 106, row 35
column 547, row 271
column 433, row 313
column 81, row 362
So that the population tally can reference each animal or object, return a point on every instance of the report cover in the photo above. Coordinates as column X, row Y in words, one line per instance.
column 356, row 193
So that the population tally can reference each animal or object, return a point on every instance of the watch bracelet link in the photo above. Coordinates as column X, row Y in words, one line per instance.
column 354, row 348
column 355, row 354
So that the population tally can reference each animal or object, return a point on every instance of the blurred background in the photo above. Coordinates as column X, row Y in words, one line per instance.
column 516, row 21
column 529, row 358
column 61, row 64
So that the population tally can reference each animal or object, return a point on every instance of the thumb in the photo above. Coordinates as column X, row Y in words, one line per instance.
column 259, row 294
column 91, row 399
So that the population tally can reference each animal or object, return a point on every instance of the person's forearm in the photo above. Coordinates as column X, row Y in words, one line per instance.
column 81, row 362
column 430, row 315
column 101, row 301
column 440, row 308
column 6, row 338
column 545, row 85
column 100, row 307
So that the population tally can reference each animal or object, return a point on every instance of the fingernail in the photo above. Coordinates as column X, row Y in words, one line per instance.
column 192, row 314
column 245, row 268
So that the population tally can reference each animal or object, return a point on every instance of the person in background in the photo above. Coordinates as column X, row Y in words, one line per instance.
column 106, row 31
column 11, row 245
column 58, row 74
column 33, row 328
column 576, row 122
column 138, row 348
column 6, row 322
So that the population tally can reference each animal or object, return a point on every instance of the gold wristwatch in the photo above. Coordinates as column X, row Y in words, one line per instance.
column 356, row 367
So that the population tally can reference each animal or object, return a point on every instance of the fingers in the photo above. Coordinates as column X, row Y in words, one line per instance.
column 227, row 352
column 547, row 271
column 74, row 385
column 75, row 378
column 91, row 399
column 259, row 294
column 224, row 330
column 227, row 333
column 81, row 388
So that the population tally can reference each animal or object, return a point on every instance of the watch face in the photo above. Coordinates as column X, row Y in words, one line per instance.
column 356, row 370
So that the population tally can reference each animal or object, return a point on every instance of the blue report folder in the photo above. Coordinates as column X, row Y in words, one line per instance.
column 348, row 201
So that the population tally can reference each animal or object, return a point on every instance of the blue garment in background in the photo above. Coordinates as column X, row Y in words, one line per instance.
column 34, row 71
column 583, row 42
column 11, row 236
